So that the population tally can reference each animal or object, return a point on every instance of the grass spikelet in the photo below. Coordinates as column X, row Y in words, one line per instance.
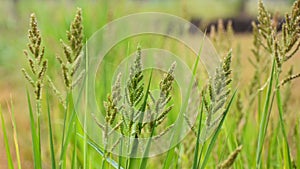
column 290, row 78
column 276, row 55
column 287, row 92
column 231, row 158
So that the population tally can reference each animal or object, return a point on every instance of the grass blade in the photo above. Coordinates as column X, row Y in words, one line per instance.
column 35, row 143
column 264, row 120
column 63, row 148
column 14, row 126
column 196, row 152
column 6, row 143
column 74, row 156
column 68, row 134
column 85, row 147
column 112, row 162
column 216, row 133
column 287, row 156
column 53, row 163
column 297, row 135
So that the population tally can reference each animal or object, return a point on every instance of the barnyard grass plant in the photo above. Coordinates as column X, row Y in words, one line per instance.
column 126, row 110
column 38, row 66
column 281, row 47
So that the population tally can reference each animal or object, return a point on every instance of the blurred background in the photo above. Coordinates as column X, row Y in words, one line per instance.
column 54, row 17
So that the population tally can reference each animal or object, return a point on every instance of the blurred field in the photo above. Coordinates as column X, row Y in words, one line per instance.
column 54, row 18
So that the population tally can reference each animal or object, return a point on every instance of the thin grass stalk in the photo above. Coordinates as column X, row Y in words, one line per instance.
column 128, row 147
column 287, row 156
column 273, row 147
column 297, row 135
column 120, row 157
column 229, row 141
column 201, row 154
column 68, row 133
column 62, row 148
column 264, row 120
column 74, row 156
column 259, row 100
column 196, row 152
column 36, row 150
column 105, row 146
column 14, row 125
column 6, row 142
column 85, row 145
column 53, row 162
column 38, row 111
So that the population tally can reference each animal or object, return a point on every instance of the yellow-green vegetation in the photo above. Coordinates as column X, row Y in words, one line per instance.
column 248, row 109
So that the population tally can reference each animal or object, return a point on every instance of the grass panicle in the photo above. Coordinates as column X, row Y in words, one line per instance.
column 35, row 57
column 134, row 91
column 161, row 110
column 113, row 101
column 216, row 96
column 72, row 50
column 135, row 86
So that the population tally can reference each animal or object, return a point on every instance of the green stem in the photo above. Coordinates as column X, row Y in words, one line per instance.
column 264, row 120
column 196, row 152
column 38, row 111
column 53, row 163
column 280, row 111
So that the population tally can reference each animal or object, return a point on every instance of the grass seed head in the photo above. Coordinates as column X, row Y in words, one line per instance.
column 231, row 158
column 72, row 50
column 35, row 57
